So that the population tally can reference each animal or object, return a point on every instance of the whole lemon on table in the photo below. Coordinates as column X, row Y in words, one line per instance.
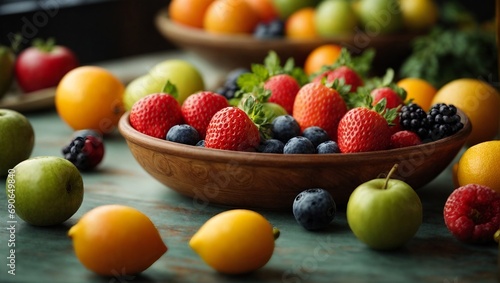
column 116, row 240
column 479, row 165
column 479, row 101
column 235, row 241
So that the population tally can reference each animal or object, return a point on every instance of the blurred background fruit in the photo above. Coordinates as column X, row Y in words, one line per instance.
column 7, row 59
column 378, row 17
column 230, row 17
column 287, row 7
column 301, row 24
column 188, row 12
column 334, row 18
column 265, row 9
column 90, row 97
column 479, row 101
column 322, row 55
column 419, row 15
column 479, row 165
column 421, row 91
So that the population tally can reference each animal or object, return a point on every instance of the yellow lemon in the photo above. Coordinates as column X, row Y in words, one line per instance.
column 116, row 240
column 479, row 101
column 235, row 241
column 479, row 165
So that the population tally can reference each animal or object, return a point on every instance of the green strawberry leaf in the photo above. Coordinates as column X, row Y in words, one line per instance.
column 254, row 109
column 170, row 88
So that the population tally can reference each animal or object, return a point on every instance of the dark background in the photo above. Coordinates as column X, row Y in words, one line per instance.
column 108, row 29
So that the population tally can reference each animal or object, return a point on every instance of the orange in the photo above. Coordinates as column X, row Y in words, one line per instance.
column 230, row 17
column 479, row 165
column 188, row 12
column 90, row 97
column 479, row 101
column 265, row 9
column 300, row 24
column 421, row 91
column 116, row 240
column 235, row 241
column 322, row 55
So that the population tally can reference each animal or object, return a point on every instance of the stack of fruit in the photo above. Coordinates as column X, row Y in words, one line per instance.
column 305, row 19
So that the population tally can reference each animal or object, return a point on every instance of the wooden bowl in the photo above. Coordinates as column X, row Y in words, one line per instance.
column 240, row 50
column 271, row 181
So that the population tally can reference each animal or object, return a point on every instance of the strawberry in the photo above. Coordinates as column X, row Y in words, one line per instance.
column 198, row 109
column 155, row 114
column 345, row 73
column 394, row 96
column 320, row 105
column 404, row 139
column 365, row 129
column 283, row 89
column 232, row 128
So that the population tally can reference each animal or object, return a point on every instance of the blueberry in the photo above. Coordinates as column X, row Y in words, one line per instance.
column 201, row 143
column 271, row 146
column 272, row 29
column 86, row 132
column 299, row 145
column 285, row 127
column 316, row 135
column 184, row 134
column 314, row 209
column 328, row 147
column 230, row 86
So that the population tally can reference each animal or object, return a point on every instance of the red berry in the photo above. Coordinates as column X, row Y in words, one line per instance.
column 349, row 76
column 198, row 109
column 472, row 213
column 283, row 89
column 155, row 114
column 393, row 99
column 404, row 139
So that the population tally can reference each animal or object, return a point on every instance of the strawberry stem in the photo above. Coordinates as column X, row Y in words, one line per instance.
column 276, row 233
column 393, row 169
column 46, row 46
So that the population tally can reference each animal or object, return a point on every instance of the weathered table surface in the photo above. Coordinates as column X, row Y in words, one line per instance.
column 335, row 255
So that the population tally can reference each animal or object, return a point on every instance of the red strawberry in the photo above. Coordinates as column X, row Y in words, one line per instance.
column 155, row 114
column 232, row 129
column 349, row 76
column 319, row 105
column 363, row 129
column 472, row 213
column 198, row 109
column 391, row 95
column 283, row 89
column 404, row 139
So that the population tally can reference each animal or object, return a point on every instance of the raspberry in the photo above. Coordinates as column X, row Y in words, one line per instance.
column 85, row 152
column 404, row 139
column 472, row 213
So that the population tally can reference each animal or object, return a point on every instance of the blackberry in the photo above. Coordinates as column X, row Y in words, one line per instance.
column 85, row 152
column 444, row 121
column 413, row 118
column 272, row 29
column 230, row 86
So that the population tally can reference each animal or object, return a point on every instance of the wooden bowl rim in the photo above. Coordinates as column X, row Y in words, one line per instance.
column 279, row 160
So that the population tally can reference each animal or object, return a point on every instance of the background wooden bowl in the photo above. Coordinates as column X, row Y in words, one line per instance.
column 271, row 181
column 231, row 51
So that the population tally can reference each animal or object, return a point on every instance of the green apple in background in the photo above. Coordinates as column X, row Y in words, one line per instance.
column 184, row 75
column 384, row 213
column 273, row 110
column 7, row 59
column 335, row 17
column 379, row 16
column 47, row 190
column 17, row 139
column 287, row 7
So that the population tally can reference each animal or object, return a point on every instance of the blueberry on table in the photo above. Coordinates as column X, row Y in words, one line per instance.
column 285, row 127
column 314, row 209
column 271, row 146
column 299, row 145
column 316, row 135
column 328, row 147
column 184, row 134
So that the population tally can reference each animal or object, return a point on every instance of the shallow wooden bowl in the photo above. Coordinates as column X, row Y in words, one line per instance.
column 271, row 181
column 231, row 51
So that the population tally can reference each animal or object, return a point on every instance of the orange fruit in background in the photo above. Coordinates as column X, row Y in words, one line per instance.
column 300, row 24
column 116, row 240
column 322, row 55
column 479, row 165
column 421, row 91
column 265, row 9
column 230, row 17
column 479, row 101
column 188, row 12
column 90, row 97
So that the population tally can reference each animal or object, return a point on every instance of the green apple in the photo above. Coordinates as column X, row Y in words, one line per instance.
column 273, row 110
column 335, row 17
column 47, row 190
column 184, row 75
column 287, row 7
column 384, row 213
column 7, row 59
column 16, row 140
column 380, row 16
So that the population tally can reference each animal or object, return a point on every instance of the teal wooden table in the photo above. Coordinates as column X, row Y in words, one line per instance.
column 334, row 255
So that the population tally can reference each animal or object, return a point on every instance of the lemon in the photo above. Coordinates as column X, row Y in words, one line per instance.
column 116, row 240
column 479, row 165
column 235, row 241
column 479, row 101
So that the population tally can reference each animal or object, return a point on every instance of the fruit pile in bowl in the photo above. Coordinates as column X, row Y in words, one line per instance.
column 221, row 31
column 282, row 132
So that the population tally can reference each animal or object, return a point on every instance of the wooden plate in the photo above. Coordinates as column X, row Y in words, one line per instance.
column 27, row 102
